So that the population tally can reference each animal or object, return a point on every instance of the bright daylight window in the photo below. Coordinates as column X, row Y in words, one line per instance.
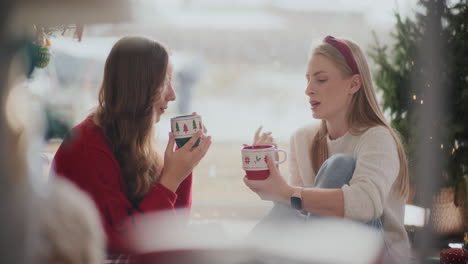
column 239, row 64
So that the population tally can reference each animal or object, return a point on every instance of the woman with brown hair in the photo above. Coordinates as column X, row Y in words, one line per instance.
column 352, row 165
column 111, row 154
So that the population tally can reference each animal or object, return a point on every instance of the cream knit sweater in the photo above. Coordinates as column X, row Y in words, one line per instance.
column 371, row 192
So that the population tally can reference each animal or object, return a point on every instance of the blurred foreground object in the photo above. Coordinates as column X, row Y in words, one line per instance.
column 454, row 256
column 82, row 12
column 70, row 230
column 424, row 75
column 321, row 241
column 17, row 197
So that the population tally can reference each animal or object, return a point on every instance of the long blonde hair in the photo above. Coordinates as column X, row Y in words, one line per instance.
column 364, row 112
column 134, row 74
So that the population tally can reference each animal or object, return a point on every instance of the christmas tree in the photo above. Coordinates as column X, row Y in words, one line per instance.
column 404, row 80
column 185, row 128
column 194, row 125
column 177, row 127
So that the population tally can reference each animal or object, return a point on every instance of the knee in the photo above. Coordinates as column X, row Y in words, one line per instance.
column 335, row 171
column 341, row 161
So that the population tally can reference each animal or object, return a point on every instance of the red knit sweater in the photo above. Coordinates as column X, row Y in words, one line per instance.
column 86, row 159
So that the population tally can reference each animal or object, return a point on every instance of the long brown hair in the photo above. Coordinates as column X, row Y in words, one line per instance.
column 363, row 114
column 134, row 74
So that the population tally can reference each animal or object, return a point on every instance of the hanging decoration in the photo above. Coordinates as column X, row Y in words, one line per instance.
column 40, row 54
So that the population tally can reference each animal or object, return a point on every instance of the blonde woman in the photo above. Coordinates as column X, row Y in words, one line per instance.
column 353, row 164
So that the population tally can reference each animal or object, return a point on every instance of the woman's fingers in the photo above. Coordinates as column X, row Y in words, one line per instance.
column 272, row 165
column 203, row 126
column 200, row 151
column 257, row 133
column 192, row 141
column 203, row 147
column 265, row 139
column 252, row 184
column 247, row 182
column 170, row 144
column 260, row 137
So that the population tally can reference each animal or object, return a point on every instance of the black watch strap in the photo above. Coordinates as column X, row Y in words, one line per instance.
column 296, row 203
column 296, row 199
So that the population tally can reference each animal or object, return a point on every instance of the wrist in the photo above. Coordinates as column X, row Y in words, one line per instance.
column 296, row 201
column 286, row 194
column 169, row 183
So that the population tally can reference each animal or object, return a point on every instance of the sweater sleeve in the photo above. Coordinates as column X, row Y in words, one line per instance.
column 118, row 212
column 184, row 194
column 98, row 173
column 377, row 168
column 294, row 172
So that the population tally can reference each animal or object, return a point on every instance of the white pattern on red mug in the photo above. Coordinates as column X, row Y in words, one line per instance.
column 254, row 160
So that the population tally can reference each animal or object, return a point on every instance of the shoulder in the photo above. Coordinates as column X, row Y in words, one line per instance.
column 378, row 137
column 88, row 133
column 84, row 154
column 83, row 138
column 378, row 132
column 306, row 132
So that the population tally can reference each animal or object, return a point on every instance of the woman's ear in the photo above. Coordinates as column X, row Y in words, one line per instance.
column 356, row 84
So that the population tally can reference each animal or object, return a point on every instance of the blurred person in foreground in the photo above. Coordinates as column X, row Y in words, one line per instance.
column 69, row 227
column 352, row 164
column 111, row 154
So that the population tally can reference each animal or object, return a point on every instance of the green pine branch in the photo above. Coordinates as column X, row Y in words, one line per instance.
column 398, row 65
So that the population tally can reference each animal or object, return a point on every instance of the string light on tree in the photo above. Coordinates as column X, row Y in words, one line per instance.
column 391, row 69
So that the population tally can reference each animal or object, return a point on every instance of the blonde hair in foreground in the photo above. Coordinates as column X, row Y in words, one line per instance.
column 364, row 112
column 70, row 228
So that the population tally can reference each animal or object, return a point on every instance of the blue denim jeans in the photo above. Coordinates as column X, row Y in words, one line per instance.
column 335, row 172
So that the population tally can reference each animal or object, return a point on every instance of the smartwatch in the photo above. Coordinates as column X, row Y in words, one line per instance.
column 296, row 198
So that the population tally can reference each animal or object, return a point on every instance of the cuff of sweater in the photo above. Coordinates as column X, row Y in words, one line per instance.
column 158, row 187
column 354, row 207
column 158, row 198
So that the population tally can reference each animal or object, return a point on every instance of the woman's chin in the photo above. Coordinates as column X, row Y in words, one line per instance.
column 157, row 118
column 316, row 115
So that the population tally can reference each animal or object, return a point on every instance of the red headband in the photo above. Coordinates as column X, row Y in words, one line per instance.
column 344, row 50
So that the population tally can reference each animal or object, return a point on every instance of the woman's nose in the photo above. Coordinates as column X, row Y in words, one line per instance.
column 170, row 96
column 309, row 91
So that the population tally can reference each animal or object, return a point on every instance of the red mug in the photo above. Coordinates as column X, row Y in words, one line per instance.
column 254, row 160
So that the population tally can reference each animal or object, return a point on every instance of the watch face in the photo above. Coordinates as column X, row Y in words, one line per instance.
column 296, row 203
